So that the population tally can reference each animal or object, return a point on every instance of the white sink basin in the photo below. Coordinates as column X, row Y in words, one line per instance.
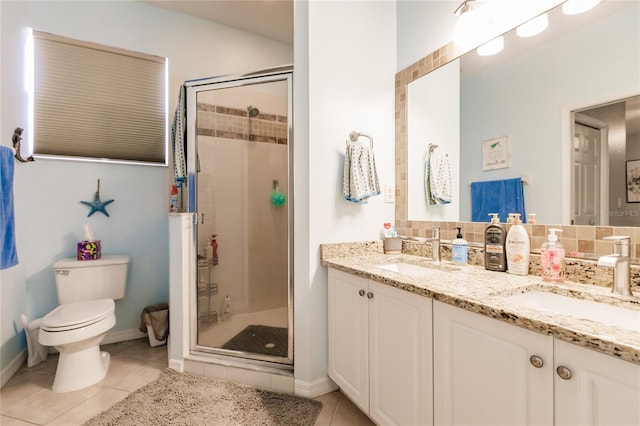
column 415, row 270
column 616, row 316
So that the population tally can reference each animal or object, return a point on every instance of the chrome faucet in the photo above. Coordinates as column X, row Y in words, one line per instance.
column 619, row 261
column 435, row 244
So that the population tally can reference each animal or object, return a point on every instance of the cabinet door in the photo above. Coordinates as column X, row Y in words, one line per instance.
column 483, row 374
column 400, row 357
column 601, row 390
column 348, row 332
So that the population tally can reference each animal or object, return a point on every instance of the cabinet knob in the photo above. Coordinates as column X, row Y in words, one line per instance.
column 536, row 361
column 361, row 292
column 563, row 372
column 369, row 295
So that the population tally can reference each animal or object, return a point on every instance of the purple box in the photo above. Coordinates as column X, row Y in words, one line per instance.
column 89, row 250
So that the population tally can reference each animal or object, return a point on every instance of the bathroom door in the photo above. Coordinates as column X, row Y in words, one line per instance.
column 240, row 159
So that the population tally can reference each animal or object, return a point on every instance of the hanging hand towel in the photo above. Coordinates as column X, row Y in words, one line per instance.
column 178, row 130
column 8, row 253
column 497, row 196
column 438, row 189
column 360, row 175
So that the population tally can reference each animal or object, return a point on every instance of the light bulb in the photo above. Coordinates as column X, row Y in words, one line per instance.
column 534, row 26
column 492, row 47
column 574, row 7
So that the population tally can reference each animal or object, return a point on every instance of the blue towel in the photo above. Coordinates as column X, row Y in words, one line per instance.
column 497, row 196
column 8, row 254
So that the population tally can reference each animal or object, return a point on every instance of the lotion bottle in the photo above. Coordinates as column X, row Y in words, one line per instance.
column 460, row 249
column 517, row 248
column 494, row 238
column 552, row 258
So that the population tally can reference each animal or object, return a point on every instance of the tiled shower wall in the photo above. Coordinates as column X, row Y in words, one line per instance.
column 233, row 123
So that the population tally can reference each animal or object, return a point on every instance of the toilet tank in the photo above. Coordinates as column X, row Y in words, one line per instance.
column 82, row 280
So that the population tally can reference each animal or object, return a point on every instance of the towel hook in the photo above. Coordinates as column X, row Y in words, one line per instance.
column 353, row 137
column 432, row 147
column 16, row 138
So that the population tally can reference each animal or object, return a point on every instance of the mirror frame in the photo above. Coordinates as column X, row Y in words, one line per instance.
column 586, row 241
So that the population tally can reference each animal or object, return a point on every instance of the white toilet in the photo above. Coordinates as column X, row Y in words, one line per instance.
column 86, row 293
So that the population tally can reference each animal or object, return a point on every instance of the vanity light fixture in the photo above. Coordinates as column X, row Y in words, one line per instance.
column 491, row 47
column 467, row 24
column 533, row 27
column 574, row 7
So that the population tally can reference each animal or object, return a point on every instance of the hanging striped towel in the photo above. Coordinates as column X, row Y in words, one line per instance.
column 360, row 175
column 437, row 183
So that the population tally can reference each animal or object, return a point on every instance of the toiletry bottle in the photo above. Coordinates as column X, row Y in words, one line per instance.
column 460, row 249
column 226, row 309
column 517, row 247
column 386, row 232
column 214, row 249
column 173, row 199
column 494, row 252
column 552, row 258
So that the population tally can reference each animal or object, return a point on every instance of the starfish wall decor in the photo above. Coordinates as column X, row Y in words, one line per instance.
column 97, row 205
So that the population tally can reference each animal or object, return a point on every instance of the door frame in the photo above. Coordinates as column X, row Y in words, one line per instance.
column 282, row 73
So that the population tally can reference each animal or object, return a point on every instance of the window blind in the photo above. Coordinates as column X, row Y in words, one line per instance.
column 95, row 101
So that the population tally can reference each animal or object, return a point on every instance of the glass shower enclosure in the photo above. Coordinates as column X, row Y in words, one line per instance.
column 239, row 162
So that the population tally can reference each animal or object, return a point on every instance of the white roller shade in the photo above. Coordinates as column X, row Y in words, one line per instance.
column 95, row 101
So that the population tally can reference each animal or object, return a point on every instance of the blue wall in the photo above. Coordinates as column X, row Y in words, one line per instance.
column 49, row 216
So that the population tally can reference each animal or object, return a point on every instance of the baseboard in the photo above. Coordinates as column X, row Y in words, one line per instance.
column 122, row 336
column 315, row 388
column 11, row 369
column 177, row 365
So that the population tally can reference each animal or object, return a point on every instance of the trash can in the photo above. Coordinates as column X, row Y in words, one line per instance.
column 154, row 321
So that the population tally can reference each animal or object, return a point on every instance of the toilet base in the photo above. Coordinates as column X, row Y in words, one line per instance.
column 78, row 369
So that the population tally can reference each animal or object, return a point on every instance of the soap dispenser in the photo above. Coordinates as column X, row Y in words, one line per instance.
column 518, row 248
column 460, row 249
column 552, row 258
column 494, row 251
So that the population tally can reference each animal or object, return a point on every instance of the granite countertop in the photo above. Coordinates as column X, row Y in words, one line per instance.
column 477, row 290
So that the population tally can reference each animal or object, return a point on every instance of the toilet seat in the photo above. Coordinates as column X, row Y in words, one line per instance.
column 71, row 316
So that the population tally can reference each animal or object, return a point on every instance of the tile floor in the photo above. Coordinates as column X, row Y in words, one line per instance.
column 27, row 398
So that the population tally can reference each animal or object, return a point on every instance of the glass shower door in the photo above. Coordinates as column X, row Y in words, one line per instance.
column 242, row 149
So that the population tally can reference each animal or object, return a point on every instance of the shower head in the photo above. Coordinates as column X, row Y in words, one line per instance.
column 253, row 111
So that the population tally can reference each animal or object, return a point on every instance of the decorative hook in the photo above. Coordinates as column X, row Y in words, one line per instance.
column 16, row 138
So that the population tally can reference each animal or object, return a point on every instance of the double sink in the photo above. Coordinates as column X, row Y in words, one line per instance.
column 623, row 313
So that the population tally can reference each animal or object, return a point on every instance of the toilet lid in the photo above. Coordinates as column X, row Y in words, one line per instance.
column 78, row 314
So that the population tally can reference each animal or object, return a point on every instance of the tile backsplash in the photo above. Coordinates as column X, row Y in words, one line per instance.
column 582, row 242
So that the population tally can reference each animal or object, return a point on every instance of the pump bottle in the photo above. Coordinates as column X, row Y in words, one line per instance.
column 517, row 248
column 552, row 258
column 460, row 249
column 494, row 251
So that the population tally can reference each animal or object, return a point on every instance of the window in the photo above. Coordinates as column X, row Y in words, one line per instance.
column 98, row 103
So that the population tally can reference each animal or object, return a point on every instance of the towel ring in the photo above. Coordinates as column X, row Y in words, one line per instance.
column 353, row 137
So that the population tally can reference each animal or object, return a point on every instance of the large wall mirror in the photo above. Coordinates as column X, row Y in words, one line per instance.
column 583, row 69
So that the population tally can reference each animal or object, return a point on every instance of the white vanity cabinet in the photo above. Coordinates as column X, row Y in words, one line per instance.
column 380, row 350
column 594, row 389
column 488, row 372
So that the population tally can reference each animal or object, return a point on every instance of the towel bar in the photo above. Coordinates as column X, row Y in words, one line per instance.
column 353, row 137
column 526, row 180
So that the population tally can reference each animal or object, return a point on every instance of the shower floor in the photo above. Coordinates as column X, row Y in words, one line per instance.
column 216, row 335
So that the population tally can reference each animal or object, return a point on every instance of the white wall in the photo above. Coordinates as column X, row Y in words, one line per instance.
column 349, row 53
column 49, row 217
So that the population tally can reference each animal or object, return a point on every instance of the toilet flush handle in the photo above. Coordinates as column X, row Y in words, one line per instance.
column 64, row 272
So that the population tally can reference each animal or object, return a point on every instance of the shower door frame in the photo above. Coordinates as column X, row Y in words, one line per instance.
column 193, row 87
